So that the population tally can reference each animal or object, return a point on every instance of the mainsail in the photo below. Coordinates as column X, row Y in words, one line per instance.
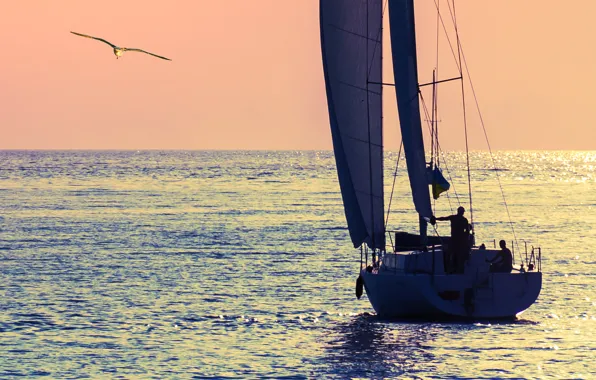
column 351, row 35
column 403, row 47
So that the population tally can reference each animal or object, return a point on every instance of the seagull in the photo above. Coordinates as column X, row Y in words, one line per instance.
column 118, row 51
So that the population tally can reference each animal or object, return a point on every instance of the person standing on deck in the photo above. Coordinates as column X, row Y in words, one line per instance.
column 460, row 240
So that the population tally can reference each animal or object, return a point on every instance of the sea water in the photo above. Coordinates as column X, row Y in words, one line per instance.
column 181, row 264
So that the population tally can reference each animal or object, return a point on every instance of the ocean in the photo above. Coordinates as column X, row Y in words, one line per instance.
column 238, row 264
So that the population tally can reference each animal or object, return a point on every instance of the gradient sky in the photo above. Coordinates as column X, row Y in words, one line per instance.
column 248, row 75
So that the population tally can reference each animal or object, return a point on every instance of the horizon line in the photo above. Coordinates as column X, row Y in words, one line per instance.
column 255, row 150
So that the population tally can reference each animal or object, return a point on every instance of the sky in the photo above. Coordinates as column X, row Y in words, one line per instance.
column 248, row 75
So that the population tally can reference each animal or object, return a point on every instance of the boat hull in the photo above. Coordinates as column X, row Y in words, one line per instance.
column 471, row 295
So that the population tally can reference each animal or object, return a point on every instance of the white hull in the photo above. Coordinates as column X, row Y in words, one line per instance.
column 404, row 287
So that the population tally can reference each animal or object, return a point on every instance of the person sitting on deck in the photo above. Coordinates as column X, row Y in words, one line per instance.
column 460, row 240
column 503, row 261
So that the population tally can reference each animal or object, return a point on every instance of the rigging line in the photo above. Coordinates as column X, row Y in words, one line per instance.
column 436, row 88
column 442, row 154
column 437, row 53
column 349, row 31
column 360, row 88
column 370, row 182
column 465, row 64
column 464, row 117
column 437, row 163
column 378, row 42
column 436, row 140
column 450, row 179
column 438, row 235
column 436, row 118
column 433, row 82
column 384, row 84
column 487, row 141
column 426, row 114
column 393, row 186
column 458, row 64
column 346, row 135
column 432, row 124
column 370, row 167
column 367, row 193
column 449, row 201
column 447, row 35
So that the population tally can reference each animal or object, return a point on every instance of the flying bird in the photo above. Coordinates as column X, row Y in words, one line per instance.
column 118, row 51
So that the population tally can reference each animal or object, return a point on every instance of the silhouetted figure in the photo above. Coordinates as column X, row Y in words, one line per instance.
column 503, row 261
column 459, row 247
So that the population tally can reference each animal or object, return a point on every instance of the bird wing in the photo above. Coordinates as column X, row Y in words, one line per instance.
column 95, row 38
column 146, row 52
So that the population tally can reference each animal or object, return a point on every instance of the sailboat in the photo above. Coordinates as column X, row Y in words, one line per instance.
column 410, row 277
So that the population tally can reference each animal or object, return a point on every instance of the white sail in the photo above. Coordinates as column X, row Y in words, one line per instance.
column 351, row 38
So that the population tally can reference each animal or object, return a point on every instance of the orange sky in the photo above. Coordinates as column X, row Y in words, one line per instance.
column 248, row 75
